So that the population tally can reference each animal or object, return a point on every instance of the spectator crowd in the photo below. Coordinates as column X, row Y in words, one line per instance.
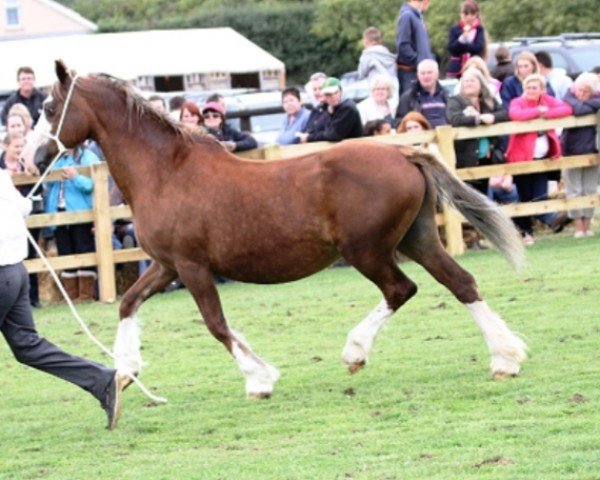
column 405, row 96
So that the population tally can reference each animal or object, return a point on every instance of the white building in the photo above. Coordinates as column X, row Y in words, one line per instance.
column 161, row 60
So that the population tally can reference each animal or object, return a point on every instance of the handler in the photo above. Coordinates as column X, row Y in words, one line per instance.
column 16, row 318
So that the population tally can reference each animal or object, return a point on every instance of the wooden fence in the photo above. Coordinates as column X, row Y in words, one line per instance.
column 103, row 214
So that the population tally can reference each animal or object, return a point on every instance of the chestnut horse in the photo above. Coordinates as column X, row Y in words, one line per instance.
column 200, row 211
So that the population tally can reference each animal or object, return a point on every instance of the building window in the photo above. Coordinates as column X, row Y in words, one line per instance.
column 13, row 13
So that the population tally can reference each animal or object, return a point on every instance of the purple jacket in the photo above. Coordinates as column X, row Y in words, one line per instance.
column 578, row 141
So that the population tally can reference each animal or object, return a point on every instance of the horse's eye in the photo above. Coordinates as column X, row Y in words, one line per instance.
column 49, row 110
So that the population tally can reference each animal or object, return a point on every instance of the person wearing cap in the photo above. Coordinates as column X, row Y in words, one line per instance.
column 232, row 139
column 16, row 318
column 412, row 42
column 342, row 119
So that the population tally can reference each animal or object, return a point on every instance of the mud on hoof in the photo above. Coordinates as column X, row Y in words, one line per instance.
column 356, row 367
column 260, row 385
column 503, row 368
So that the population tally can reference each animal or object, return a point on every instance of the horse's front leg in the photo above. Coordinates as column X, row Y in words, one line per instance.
column 126, row 350
column 260, row 376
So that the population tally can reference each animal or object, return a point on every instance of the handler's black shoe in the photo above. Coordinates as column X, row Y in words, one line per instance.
column 113, row 398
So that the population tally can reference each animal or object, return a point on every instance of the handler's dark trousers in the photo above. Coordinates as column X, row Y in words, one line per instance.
column 16, row 324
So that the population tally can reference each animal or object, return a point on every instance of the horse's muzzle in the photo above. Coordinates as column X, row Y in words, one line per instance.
column 42, row 158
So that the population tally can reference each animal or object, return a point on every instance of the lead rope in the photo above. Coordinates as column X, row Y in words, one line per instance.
column 61, row 150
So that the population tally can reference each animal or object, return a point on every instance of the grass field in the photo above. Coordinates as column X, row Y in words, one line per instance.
column 424, row 408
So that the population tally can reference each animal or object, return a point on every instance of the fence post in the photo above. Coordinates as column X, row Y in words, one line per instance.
column 452, row 219
column 103, row 234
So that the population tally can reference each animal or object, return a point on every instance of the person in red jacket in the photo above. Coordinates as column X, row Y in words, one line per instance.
column 525, row 147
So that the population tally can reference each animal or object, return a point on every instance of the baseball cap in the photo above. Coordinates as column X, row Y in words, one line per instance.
column 331, row 85
column 214, row 106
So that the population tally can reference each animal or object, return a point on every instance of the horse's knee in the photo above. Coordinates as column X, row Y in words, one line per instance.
column 400, row 293
column 464, row 288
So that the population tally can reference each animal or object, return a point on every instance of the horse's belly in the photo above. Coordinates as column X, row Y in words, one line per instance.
column 285, row 265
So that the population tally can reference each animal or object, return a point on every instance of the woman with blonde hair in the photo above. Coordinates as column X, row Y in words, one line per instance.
column 512, row 87
column 475, row 105
column 525, row 147
column 584, row 98
column 381, row 103
column 479, row 63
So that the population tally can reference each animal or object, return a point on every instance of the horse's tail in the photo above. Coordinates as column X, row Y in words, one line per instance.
column 482, row 213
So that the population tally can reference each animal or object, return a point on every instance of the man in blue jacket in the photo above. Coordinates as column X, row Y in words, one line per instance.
column 412, row 42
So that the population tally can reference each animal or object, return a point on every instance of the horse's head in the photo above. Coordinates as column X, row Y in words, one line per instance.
column 66, row 119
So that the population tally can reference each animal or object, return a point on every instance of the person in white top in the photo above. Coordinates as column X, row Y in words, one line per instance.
column 380, row 103
column 16, row 318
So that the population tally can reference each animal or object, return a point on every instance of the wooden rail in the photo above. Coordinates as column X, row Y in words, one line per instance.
column 103, row 214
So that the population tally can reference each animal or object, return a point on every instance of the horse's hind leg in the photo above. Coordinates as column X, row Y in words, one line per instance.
column 422, row 244
column 396, row 287
column 127, row 343
column 260, row 376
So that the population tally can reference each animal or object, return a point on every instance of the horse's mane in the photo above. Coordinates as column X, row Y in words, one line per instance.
column 138, row 107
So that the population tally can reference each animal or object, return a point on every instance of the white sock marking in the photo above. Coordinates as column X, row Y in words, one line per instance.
column 126, row 350
column 361, row 338
column 507, row 350
column 260, row 376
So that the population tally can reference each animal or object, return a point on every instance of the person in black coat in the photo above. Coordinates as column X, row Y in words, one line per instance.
column 230, row 138
column 27, row 94
column 475, row 105
column 466, row 39
column 340, row 121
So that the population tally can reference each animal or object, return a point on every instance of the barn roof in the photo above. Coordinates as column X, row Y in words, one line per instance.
column 133, row 54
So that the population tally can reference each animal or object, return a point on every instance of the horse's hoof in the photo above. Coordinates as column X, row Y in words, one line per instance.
column 355, row 367
column 502, row 375
column 260, row 395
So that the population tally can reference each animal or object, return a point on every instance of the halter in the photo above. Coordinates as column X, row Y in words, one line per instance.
column 56, row 136
column 61, row 150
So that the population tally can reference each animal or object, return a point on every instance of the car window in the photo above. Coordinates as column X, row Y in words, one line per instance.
column 558, row 60
column 264, row 123
column 585, row 59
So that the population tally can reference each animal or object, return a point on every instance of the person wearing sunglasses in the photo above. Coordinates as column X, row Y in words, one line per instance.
column 232, row 139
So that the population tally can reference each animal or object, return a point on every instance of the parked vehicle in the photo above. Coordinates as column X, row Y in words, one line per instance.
column 574, row 52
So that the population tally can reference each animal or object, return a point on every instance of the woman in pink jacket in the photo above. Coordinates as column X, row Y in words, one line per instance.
column 525, row 147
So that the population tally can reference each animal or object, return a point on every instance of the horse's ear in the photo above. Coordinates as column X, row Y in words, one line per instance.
column 62, row 72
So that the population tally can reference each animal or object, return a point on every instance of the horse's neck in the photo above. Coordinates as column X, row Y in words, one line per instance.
column 136, row 154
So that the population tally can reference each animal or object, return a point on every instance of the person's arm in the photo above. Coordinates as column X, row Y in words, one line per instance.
column 508, row 92
column 364, row 65
column 243, row 141
column 455, row 114
column 499, row 113
column 406, row 53
column 8, row 193
column 455, row 47
column 403, row 106
column 478, row 44
column 82, row 182
column 518, row 111
column 556, row 108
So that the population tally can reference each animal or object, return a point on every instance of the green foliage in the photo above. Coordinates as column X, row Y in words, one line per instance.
column 423, row 408
column 326, row 35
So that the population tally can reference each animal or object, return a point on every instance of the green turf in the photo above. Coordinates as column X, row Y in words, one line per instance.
column 424, row 408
